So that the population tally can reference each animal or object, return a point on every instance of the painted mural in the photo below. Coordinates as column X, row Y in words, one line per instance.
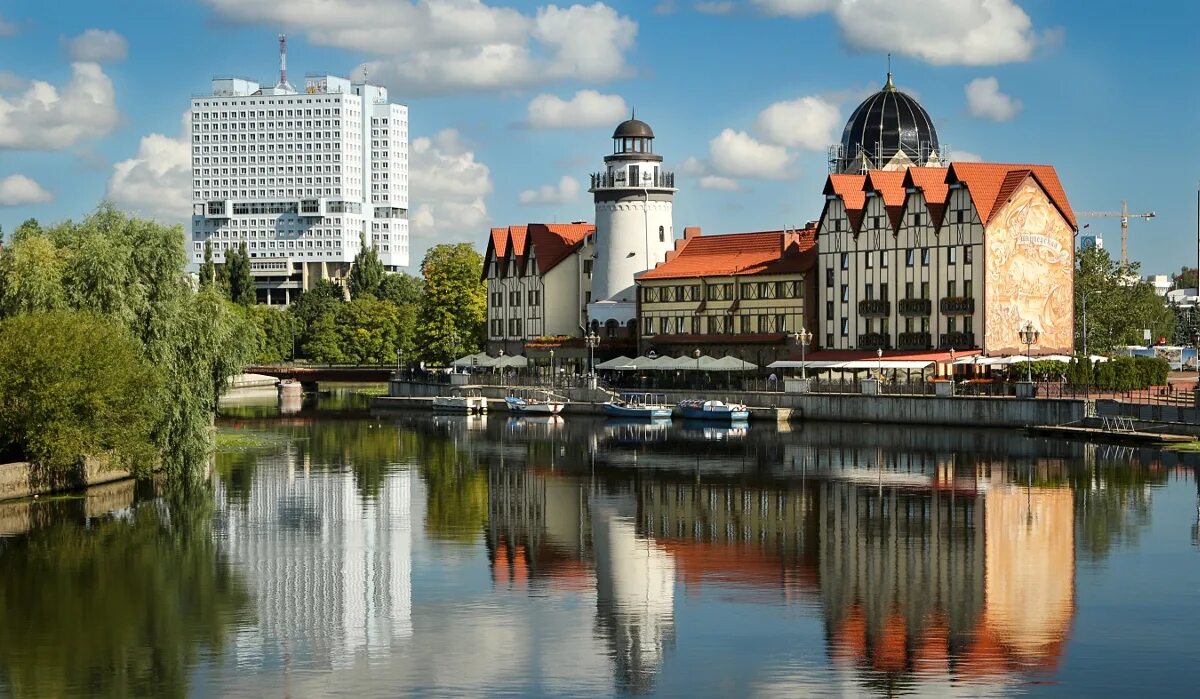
column 1030, row 265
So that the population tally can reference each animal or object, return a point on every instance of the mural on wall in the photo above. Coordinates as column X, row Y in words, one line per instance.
column 1030, row 267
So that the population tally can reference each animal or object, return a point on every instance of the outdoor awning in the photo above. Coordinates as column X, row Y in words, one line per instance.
column 854, row 365
column 616, row 363
column 729, row 364
column 477, row 359
column 510, row 361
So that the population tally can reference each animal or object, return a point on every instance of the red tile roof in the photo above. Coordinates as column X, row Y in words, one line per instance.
column 990, row 185
column 738, row 254
column 551, row 243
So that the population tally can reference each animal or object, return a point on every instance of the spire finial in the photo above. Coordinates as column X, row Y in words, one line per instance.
column 889, row 86
column 633, row 113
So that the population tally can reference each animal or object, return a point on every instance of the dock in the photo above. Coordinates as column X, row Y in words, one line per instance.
column 497, row 405
column 1100, row 434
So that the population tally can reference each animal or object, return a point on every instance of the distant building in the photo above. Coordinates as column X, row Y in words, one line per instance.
column 299, row 177
column 539, row 279
column 1160, row 282
column 731, row 294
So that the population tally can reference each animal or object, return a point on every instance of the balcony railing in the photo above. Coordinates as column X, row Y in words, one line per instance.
column 915, row 307
column 914, row 341
column 604, row 180
column 957, row 306
column 874, row 341
column 874, row 308
column 958, row 340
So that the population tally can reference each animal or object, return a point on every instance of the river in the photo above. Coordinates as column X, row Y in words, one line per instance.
column 343, row 553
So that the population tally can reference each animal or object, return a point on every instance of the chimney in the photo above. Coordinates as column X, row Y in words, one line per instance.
column 691, row 232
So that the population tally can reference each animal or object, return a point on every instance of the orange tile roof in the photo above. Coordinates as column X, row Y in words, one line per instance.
column 554, row 242
column 850, row 189
column 890, row 185
column 738, row 254
column 990, row 185
column 932, row 183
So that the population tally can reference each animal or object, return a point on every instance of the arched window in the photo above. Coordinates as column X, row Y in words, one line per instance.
column 610, row 327
column 662, row 234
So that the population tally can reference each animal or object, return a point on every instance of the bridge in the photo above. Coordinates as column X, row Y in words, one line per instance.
column 309, row 374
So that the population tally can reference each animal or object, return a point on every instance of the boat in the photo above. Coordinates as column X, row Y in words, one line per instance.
column 535, row 403
column 643, row 406
column 713, row 410
column 463, row 402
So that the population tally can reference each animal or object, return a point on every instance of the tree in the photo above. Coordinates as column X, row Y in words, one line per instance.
column 401, row 289
column 31, row 276
column 1184, row 279
column 454, row 305
column 208, row 270
column 322, row 342
column 1119, row 305
column 75, row 385
column 367, row 331
column 366, row 273
column 241, row 282
column 323, row 298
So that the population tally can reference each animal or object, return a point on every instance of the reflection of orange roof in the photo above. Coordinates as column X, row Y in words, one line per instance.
column 770, row 252
column 849, row 640
column 732, row 563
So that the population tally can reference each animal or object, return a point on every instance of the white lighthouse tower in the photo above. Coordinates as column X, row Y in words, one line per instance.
column 634, row 224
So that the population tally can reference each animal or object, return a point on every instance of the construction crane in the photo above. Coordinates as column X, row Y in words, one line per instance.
column 1124, row 215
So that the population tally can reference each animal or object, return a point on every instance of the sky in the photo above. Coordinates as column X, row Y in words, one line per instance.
column 512, row 102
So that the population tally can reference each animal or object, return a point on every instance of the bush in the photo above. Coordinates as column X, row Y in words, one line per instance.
column 75, row 385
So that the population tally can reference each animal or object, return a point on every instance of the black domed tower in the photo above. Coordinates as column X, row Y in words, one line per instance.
column 889, row 131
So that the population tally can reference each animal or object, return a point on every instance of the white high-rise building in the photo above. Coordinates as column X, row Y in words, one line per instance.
column 300, row 177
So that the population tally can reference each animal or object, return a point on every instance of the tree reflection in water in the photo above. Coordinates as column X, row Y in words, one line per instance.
column 118, row 605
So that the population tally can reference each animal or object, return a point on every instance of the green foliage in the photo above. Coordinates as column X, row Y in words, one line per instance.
column 1184, row 279
column 1119, row 306
column 454, row 306
column 241, row 283
column 1123, row 373
column 322, row 341
column 367, row 331
column 366, row 273
column 1043, row 370
column 130, row 273
column 31, row 276
column 208, row 270
column 400, row 289
column 274, row 330
column 74, row 384
column 28, row 228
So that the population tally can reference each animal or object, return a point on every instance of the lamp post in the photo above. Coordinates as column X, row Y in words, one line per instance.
column 1029, row 337
column 592, row 340
column 499, row 361
column 803, row 338
column 951, row 365
column 879, row 361
column 696, row 354
column 553, row 376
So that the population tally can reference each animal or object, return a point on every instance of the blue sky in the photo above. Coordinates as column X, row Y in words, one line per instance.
column 509, row 98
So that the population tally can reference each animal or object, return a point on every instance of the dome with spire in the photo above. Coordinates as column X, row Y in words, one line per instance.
column 633, row 128
column 889, row 130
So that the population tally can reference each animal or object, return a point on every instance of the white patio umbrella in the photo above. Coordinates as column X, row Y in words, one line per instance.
column 477, row 359
column 620, row 363
column 730, row 364
column 511, row 361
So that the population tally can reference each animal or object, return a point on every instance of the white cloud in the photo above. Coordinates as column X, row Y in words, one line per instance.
column 713, row 7
column 439, row 46
column 566, row 190
column 986, row 101
column 7, row 28
column 17, row 190
column 11, row 82
column 156, row 182
column 44, row 117
column 724, row 184
column 98, row 46
column 737, row 154
column 965, row 156
column 941, row 32
column 664, row 7
column 587, row 109
column 449, row 186
column 807, row 122
column 793, row 8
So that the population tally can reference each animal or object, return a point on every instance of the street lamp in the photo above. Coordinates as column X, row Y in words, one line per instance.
column 951, row 365
column 593, row 341
column 879, row 360
column 553, row 376
column 1029, row 337
column 803, row 338
column 696, row 354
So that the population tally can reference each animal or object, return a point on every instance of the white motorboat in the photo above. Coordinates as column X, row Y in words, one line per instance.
column 462, row 402
column 535, row 403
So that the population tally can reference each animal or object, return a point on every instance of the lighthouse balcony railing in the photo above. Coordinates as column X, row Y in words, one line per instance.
column 661, row 180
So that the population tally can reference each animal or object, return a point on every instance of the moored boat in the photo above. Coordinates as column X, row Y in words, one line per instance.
column 713, row 410
column 535, row 403
column 469, row 402
column 644, row 406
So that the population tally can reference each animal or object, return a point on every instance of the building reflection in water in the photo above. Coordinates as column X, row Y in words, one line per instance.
column 925, row 569
column 330, row 569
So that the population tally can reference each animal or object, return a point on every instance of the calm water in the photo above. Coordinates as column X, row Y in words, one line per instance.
column 410, row 555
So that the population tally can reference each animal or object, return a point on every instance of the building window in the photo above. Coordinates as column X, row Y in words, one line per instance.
column 647, row 326
column 967, row 256
column 535, row 298
column 749, row 291
column 662, row 234
column 883, row 258
column 869, row 292
column 514, row 298
column 968, row 289
column 829, row 309
column 829, row 339
column 924, row 257
column 497, row 299
column 845, row 327
column 951, row 288
column 845, row 260
column 870, row 262
column 514, row 327
column 845, row 293
column 909, row 257
column 952, row 255
column 925, row 290
column 746, row 325
column 959, row 216
column 917, row 218
column 766, row 290
column 587, row 266
column 968, row 324
column 951, row 325
column 497, row 327
column 829, row 276
column 883, row 291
